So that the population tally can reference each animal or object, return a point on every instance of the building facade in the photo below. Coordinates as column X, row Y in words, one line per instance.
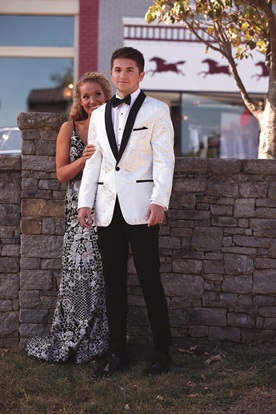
column 56, row 41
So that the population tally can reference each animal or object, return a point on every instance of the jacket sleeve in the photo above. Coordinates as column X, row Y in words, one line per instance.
column 91, row 172
column 163, row 157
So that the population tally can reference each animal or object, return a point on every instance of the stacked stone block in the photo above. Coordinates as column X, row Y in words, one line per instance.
column 218, row 251
column 42, row 224
column 217, row 245
column 10, row 186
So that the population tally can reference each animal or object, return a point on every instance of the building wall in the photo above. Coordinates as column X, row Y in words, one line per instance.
column 218, row 245
column 111, row 29
column 88, row 36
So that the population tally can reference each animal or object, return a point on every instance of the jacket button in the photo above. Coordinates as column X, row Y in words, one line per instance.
column 117, row 168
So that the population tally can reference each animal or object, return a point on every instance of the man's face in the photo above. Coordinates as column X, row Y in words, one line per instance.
column 125, row 76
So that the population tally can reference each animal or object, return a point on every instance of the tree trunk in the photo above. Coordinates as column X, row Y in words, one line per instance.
column 267, row 143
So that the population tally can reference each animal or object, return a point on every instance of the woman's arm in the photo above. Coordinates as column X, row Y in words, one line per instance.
column 65, row 170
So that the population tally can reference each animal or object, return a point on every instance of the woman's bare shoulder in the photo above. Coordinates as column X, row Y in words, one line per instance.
column 67, row 126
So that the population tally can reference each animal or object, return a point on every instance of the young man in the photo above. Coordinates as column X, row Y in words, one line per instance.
column 129, row 181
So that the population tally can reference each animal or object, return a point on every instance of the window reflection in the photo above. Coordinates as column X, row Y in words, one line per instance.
column 217, row 126
column 22, row 78
column 214, row 125
column 36, row 30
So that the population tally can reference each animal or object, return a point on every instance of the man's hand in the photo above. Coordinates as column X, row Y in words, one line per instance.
column 155, row 214
column 85, row 217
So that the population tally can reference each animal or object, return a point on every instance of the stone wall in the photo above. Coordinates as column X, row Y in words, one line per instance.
column 42, row 223
column 10, row 187
column 218, row 245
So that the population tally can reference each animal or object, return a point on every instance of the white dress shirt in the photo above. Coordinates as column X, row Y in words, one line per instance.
column 119, row 117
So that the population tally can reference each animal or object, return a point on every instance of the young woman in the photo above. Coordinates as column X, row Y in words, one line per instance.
column 79, row 330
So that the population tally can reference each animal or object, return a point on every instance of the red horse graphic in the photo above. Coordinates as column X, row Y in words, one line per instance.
column 214, row 68
column 163, row 66
column 265, row 71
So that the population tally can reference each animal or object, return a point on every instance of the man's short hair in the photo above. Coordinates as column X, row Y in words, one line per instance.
column 129, row 53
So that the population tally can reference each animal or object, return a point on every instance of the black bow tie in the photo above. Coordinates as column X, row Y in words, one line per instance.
column 117, row 101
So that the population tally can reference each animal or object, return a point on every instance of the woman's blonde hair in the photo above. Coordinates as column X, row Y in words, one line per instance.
column 76, row 111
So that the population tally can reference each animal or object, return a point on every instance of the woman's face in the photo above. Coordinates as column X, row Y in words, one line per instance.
column 91, row 96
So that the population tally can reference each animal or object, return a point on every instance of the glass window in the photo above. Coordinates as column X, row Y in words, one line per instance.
column 212, row 125
column 217, row 126
column 36, row 30
column 19, row 77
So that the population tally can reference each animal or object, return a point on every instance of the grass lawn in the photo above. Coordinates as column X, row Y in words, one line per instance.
column 204, row 378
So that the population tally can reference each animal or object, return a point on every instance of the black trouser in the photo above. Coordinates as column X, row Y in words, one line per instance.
column 114, row 243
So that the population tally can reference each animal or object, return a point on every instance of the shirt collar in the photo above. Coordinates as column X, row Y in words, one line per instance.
column 134, row 96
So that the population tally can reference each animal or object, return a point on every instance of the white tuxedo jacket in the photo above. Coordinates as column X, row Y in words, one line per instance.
column 140, row 173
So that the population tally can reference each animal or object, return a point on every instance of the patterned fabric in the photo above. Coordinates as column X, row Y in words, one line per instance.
column 79, row 329
column 132, row 177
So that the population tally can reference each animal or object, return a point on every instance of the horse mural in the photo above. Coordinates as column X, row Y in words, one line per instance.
column 264, row 73
column 214, row 68
column 163, row 66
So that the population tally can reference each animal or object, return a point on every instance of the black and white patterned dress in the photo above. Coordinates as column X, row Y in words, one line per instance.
column 79, row 329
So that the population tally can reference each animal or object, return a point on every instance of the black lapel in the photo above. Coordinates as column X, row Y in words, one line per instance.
column 130, row 121
column 110, row 130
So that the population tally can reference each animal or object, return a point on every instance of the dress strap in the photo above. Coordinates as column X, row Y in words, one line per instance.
column 74, row 128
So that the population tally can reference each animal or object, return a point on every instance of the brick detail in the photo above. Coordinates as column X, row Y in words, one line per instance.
column 88, row 36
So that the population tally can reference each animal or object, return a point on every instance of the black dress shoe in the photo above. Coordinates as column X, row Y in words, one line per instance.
column 160, row 364
column 114, row 363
